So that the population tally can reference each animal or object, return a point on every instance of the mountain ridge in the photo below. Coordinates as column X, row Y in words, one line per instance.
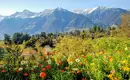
column 59, row 20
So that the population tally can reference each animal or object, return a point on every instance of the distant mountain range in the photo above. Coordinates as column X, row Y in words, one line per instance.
column 60, row 20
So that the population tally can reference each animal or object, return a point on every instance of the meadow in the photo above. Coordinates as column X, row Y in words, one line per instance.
column 94, row 54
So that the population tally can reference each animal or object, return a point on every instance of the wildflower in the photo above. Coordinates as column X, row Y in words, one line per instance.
column 124, row 62
column 126, row 68
column 25, row 74
column 101, row 52
column 83, row 56
column 85, row 60
column 62, row 70
column 60, row 63
column 40, row 65
column 17, row 71
column 3, row 71
column 76, row 56
column 126, row 48
column 77, row 60
column 128, row 56
column 20, row 69
column 42, row 75
column 110, row 58
column 48, row 66
column 110, row 76
column 43, row 69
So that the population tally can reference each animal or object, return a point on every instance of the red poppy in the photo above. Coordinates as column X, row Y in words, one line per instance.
column 25, row 74
column 48, row 66
column 17, row 71
column 76, row 56
column 60, row 63
column 62, row 70
column 3, row 71
column 43, row 69
column 42, row 75
column 40, row 65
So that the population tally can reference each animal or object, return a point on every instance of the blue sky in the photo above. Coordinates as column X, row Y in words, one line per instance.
column 8, row 7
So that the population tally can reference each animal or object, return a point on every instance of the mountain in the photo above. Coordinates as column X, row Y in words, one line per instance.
column 25, row 14
column 59, row 20
column 104, row 16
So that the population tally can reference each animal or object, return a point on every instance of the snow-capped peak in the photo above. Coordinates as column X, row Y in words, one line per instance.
column 25, row 14
column 1, row 17
column 60, row 9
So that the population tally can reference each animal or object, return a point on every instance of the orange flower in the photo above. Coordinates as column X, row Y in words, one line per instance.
column 43, row 69
column 110, row 58
column 25, row 74
column 101, row 52
column 17, row 71
column 83, row 56
column 76, row 56
column 48, row 66
column 85, row 60
column 42, row 75
column 62, row 70
column 60, row 63
column 3, row 71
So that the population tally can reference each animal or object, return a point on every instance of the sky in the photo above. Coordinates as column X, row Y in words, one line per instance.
column 8, row 7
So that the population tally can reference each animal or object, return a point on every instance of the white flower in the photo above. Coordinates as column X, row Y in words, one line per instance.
column 20, row 69
column 77, row 60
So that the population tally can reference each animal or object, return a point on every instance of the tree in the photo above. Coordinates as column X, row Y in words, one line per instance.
column 18, row 38
column 25, row 37
column 7, row 39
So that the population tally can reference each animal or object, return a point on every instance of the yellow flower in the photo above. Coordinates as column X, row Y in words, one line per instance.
column 128, row 56
column 110, row 76
column 124, row 62
column 126, row 68
column 126, row 48
column 70, row 60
